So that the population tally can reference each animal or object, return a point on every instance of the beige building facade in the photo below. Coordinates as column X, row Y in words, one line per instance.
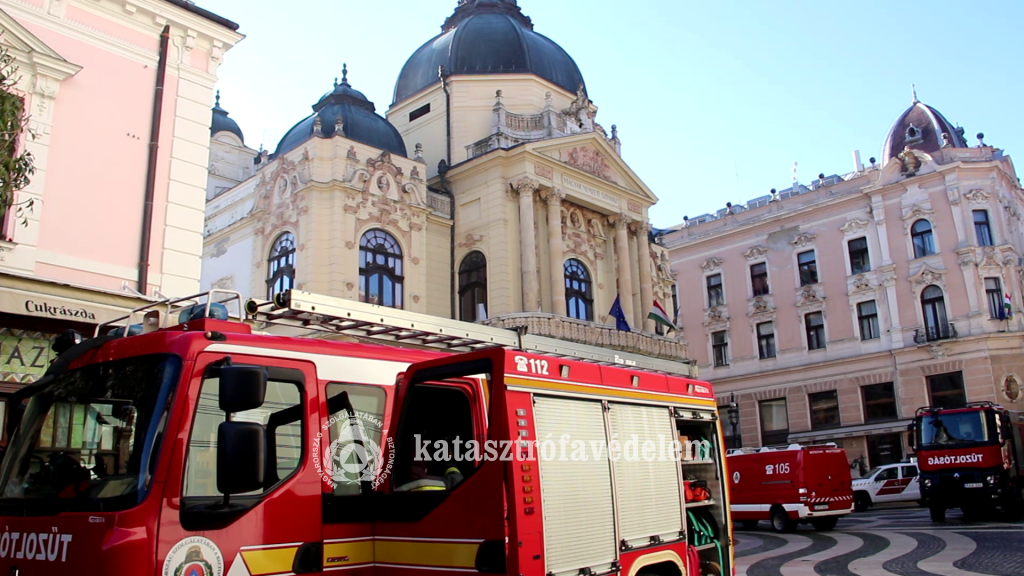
column 833, row 311
column 489, row 193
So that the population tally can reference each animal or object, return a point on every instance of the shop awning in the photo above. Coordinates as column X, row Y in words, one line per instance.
column 59, row 301
column 850, row 431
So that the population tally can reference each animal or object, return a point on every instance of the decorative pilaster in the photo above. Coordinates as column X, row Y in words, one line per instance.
column 556, row 254
column 621, row 223
column 643, row 250
column 526, row 188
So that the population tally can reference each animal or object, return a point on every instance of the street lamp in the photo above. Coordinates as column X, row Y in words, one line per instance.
column 734, row 417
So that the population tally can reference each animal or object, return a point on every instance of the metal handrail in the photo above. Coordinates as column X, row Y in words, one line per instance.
column 171, row 306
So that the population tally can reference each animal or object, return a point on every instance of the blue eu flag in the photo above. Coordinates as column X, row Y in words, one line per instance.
column 620, row 318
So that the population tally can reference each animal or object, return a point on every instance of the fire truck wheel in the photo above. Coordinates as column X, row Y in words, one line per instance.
column 748, row 524
column 861, row 501
column 937, row 514
column 825, row 524
column 780, row 520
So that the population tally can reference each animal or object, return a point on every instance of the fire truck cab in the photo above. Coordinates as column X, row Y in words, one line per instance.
column 970, row 457
column 205, row 449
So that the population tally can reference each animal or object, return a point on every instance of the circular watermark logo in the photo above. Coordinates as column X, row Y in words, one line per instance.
column 194, row 556
column 353, row 456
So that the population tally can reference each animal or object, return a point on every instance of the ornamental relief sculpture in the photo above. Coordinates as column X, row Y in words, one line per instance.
column 759, row 305
column 755, row 252
column 582, row 233
column 381, row 177
column 715, row 315
column 860, row 283
column 590, row 161
column 853, row 226
column 711, row 264
column 809, row 296
column 279, row 202
column 977, row 196
column 927, row 276
column 803, row 239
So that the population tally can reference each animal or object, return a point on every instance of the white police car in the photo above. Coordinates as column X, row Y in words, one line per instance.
column 889, row 483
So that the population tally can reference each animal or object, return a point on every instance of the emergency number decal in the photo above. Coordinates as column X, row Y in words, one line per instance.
column 195, row 556
column 777, row 468
column 532, row 365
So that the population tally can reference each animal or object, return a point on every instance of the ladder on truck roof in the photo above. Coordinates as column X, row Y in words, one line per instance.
column 300, row 309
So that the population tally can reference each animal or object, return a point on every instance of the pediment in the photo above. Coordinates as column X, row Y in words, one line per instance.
column 591, row 156
column 27, row 47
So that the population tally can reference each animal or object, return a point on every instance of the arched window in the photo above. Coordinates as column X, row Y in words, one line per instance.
column 281, row 265
column 380, row 269
column 921, row 233
column 933, row 305
column 579, row 291
column 473, row 287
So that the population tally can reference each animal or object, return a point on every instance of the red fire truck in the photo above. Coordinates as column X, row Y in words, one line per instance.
column 787, row 486
column 190, row 444
column 970, row 457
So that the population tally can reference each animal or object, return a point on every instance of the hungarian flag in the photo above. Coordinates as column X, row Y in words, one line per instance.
column 1007, row 307
column 659, row 315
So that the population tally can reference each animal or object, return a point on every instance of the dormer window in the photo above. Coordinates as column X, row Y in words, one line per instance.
column 913, row 135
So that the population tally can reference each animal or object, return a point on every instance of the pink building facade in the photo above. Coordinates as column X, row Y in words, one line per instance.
column 72, row 251
column 831, row 312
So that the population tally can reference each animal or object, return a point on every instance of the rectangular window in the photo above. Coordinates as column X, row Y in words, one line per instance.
column 356, row 416
column 766, row 340
column 815, row 324
column 994, row 293
column 716, row 296
column 982, row 229
column 879, row 402
column 720, row 347
column 284, row 437
column 824, row 409
column 759, row 279
column 675, row 305
column 419, row 112
column 860, row 262
column 808, row 268
column 947, row 390
column 885, row 449
column 867, row 314
column 774, row 422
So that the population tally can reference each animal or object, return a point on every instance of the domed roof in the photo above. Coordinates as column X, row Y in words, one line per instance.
column 360, row 121
column 921, row 127
column 488, row 37
column 221, row 122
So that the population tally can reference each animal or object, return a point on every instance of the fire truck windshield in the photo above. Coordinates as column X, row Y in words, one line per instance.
column 89, row 441
column 954, row 428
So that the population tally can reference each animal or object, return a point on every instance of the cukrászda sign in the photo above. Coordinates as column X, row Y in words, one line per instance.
column 58, row 311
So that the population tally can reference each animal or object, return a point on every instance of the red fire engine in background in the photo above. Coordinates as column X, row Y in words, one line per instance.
column 203, row 448
column 971, row 457
column 790, row 486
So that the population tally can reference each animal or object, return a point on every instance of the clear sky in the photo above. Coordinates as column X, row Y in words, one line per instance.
column 714, row 100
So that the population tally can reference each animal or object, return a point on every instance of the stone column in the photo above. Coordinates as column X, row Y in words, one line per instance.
column 525, row 188
column 556, row 250
column 643, row 252
column 621, row 223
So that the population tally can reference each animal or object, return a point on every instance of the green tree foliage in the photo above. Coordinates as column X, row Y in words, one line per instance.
column 16, row 168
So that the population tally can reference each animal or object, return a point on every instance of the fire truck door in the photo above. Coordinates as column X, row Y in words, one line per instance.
column 273, row 529
column 441, row 506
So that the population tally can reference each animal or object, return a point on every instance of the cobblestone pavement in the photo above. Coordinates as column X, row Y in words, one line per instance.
column 900, row 541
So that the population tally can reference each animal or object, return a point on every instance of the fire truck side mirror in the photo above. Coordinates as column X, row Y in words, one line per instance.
column 911, row 428
column 241, row 449
column 242, row 388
